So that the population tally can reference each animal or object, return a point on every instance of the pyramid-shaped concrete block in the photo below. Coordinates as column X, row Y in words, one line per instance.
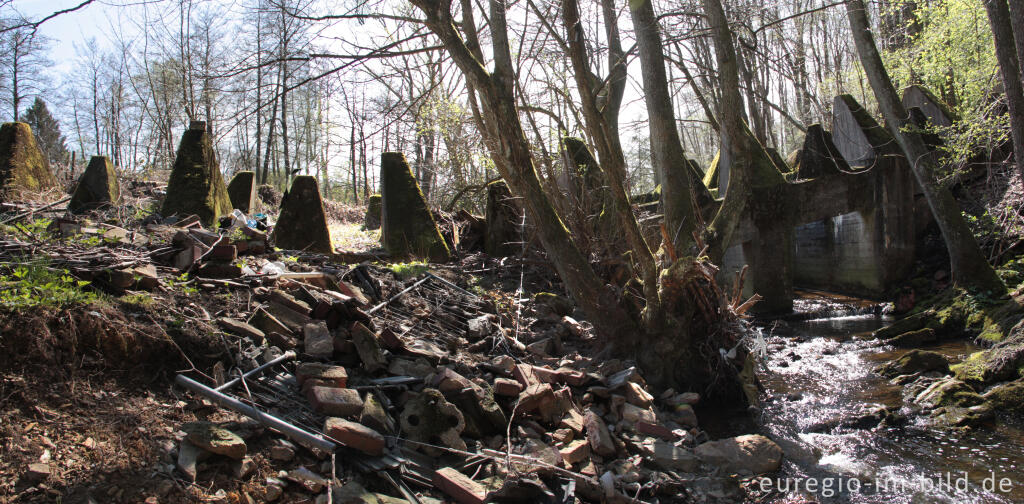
column 302, row 224
column 97, row 188
column 242, row 191
column 196, row 185
column 372, row 219
column 23, row 167
column 408, row 228
column 818, row 156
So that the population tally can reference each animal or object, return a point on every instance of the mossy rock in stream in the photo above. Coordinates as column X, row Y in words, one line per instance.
column 373, row 210
column 915, row 361
column 1007, row 397
column 242, row 191
column 953, row 403
column 1002, row 362
column 98, row 186
column 302, row 224
column 913, row 339
column 23, row 167
column 408, row 228
column 196, row 185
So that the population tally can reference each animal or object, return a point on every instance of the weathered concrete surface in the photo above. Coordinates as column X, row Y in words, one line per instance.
column 373, row 212
column 503, row 219
column 196, row 185
column 936, row 110
column 302, row 224
column 242, row 191
column 408, row 228
column 852, row 229
column 98, row 186
column 23, row 167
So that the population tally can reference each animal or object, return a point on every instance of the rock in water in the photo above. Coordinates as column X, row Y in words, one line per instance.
column 242, row 191
column 303, row 224
column 408, row 226
column 503, row 218
column 196, row 185
column 22, row 165
column 372, row 220
column 97, row 188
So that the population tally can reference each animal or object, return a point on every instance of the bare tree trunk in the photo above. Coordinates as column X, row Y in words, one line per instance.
column 1010, row 69
column 511, row 151
column 968, row 265
column 669, row 159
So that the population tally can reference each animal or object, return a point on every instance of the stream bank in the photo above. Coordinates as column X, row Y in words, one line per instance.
column 850, row 435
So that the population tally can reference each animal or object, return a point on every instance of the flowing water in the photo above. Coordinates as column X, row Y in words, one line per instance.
column 819, row 371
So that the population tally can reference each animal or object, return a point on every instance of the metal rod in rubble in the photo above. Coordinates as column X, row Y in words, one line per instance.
column 296, row 434
column 231, row 383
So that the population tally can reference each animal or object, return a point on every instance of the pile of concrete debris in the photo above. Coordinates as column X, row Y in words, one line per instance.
column 430, row 394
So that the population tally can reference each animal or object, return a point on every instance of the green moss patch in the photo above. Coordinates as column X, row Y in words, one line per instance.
column 22, row 165
column 196, row 185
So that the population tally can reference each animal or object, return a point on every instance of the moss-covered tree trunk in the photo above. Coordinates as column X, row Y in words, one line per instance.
column 968, row 265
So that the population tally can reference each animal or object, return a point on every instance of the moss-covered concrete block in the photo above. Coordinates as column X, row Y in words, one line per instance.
column 242, row 191
column 23, row 167
column 503, row 219
column 373, row 211
column 98, row 187
column 302, row 224
column 408, row 228
column 196, row 185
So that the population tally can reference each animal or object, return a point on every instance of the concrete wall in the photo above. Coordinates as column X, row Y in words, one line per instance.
column 840, row 253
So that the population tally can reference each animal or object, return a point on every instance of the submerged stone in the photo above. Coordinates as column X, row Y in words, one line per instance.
column 503, row 218
column 302, row 224
column 98, row 186
column 196, row 185
column 408, row 228
column 242, row 191
column 22, row 165
column 372, row 219
column 915, row 361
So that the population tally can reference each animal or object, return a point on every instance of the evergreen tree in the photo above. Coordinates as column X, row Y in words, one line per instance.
column 47, row 131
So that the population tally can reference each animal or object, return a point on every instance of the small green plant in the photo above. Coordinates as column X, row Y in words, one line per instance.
column 36, row 283
column 141, row 300
column 36, row 227
column 408, row 270
column 181, row 281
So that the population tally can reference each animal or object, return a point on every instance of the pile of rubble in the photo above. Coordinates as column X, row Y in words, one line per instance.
column 428, row 393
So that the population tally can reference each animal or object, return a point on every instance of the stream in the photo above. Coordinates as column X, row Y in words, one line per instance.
column 820, row 371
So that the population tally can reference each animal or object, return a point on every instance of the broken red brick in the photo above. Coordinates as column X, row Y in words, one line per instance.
column 390, row 340
column 656, row 430
column 223, row 253
column 336, row 401
column 354, row 435
column 337, row 376
column 459, row 486
column 507, row 387
column 576, row 451
column 598, row 435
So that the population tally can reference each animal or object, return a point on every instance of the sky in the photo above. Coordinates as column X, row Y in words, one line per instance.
column 69, row 30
